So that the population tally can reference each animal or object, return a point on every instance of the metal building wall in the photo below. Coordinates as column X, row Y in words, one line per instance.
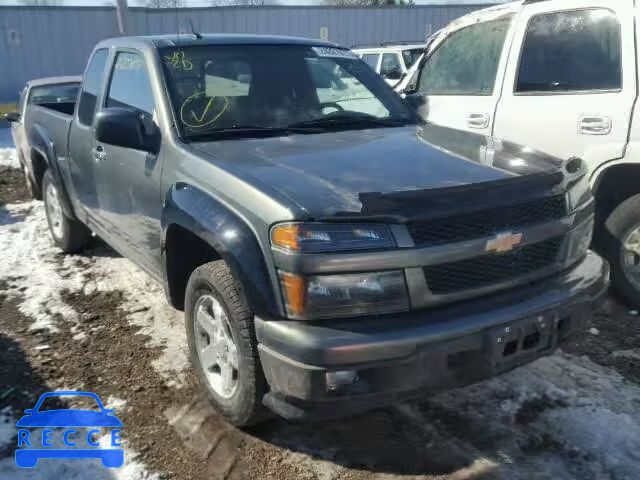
column 44, row 41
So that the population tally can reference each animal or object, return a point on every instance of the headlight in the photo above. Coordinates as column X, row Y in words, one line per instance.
column 329, row 237
column 348, row 295
column 578, row 193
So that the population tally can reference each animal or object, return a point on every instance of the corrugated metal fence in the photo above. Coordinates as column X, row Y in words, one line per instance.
column 44, row 41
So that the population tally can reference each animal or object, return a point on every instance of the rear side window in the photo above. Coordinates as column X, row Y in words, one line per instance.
column 371, row 59
column 571, row 51
column 467, row 62
column 65, row 93
column 91, row 87
column 130, row 86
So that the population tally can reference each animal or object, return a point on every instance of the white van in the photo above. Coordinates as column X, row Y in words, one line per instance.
column 392, row 61
column 560, row 76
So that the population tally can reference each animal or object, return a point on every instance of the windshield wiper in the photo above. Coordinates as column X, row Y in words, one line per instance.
column 351, row 119
column 244, row 130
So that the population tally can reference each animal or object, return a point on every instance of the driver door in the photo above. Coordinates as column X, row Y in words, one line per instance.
column 129, row 180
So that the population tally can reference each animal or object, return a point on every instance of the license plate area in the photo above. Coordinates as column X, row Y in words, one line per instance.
column 515, row 341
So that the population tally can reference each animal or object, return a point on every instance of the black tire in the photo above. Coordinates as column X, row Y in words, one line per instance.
column 245, row 406
column 71, row 235
column 608, row 241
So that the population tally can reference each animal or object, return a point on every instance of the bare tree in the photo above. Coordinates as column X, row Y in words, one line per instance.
column 164, row 3
column 41, row 3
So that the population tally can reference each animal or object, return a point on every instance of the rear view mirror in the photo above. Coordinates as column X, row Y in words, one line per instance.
column 12, row 117
column 127, row 128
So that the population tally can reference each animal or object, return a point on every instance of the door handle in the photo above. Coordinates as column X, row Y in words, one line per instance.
column 478, row 120
column 594, row 125
column 99, row 154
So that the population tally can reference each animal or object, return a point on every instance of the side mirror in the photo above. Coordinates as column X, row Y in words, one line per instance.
column 415, row 101
column 29, row 411
column 127, row 128
column 12, row 117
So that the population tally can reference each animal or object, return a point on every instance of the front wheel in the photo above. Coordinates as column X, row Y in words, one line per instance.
column 619, row 242
column 68, row 234
column 222, row 344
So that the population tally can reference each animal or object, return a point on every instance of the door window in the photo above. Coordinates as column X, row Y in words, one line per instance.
column 467, row 62
column 91, row 87
column 571, row 51
column 130, row 86
column 390, row 66
column 371, row 59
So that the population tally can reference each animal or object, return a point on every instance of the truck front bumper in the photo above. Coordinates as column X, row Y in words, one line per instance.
column 334, row 368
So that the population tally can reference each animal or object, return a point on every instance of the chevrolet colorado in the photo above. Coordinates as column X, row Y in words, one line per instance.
column 331, row 252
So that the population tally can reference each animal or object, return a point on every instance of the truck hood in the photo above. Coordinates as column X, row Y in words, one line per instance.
column 392, row 172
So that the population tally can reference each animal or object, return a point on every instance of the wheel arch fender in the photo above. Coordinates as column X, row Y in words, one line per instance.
column 41, row 143
column 228, row 234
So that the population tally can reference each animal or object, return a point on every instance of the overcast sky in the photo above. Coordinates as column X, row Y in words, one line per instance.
column 196, row 3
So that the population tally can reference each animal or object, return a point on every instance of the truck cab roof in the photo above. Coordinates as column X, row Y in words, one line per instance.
column 190, row 39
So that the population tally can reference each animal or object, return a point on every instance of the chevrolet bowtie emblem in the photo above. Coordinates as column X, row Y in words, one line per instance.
column 503, row 242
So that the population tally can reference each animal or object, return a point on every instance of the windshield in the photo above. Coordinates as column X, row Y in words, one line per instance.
column 218, row 88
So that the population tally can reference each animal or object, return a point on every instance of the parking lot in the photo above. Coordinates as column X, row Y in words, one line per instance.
column 94, row 322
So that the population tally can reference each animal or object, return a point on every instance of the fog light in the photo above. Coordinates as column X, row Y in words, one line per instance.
column 338, row 379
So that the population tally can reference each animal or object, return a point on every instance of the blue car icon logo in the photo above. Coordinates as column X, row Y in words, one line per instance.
column 28, row 452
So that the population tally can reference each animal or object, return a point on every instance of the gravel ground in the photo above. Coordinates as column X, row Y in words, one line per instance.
column 95, row 322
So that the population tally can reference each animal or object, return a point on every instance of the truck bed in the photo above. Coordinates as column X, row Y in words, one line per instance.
column 55, row 119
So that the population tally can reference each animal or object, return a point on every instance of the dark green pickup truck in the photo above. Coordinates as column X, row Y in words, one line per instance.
column 331, row 251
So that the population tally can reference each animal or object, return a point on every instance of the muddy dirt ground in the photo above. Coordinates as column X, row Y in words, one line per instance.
column 93, row 322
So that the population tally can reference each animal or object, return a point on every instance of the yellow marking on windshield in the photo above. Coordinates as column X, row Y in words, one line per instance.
column 208, row 114
column 179, row 61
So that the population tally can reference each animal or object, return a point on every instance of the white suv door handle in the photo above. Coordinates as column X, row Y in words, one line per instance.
column 478, row 120
column 594, row 125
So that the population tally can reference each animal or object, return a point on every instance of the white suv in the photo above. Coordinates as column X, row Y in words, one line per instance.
column 560, row 76
column 392, row 61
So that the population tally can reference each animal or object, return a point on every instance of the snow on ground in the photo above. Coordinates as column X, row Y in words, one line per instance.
column 147, row 308
column 575, row 407
column 56, row 469
column 7, row 427
column 38, row 273
column 8, row 156
column 30, row 266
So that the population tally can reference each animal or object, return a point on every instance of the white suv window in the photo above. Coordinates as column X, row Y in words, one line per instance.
column 371, row 59
column 390, row 66
column 467, row 62
column 571, row 51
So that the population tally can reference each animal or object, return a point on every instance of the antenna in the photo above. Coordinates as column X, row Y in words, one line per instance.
column 193, row 30
column 175, row 9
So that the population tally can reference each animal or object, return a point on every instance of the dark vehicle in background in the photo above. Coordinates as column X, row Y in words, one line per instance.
column 57, row 93
column 331, row 252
